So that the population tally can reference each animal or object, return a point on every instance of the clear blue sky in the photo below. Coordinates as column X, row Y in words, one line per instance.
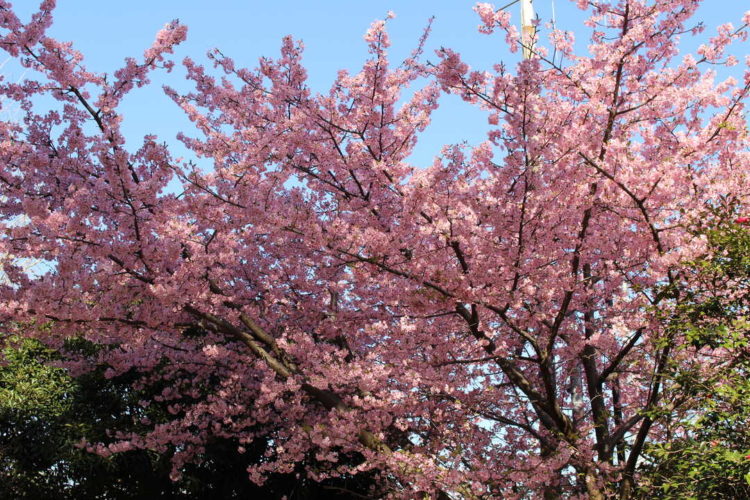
column 108, row 31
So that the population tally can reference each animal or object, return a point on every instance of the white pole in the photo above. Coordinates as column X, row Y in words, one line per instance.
column 527, row 27
column 554, row 17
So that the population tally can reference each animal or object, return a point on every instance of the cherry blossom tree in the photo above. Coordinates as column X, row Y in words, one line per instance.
column 488, row 326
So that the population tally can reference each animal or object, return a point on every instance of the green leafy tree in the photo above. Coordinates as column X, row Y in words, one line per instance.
column 710, row 378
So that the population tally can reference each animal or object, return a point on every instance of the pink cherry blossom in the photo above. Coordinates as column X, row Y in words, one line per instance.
column 485, row 324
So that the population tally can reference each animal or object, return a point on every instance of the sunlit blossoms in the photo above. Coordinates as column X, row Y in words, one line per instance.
column 482, row 327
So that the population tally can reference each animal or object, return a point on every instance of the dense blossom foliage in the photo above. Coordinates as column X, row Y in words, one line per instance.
column 482, row 327
column 45, row 414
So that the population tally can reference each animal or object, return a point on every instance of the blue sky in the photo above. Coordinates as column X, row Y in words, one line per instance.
column 107, row 32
